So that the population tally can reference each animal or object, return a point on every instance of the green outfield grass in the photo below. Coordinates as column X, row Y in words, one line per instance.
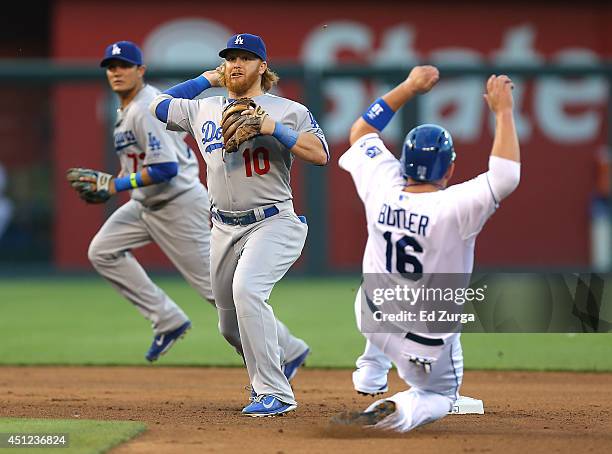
column 84, row 321
column 83, row 436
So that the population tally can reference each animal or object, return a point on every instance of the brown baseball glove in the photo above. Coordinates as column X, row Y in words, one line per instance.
column 241, row 121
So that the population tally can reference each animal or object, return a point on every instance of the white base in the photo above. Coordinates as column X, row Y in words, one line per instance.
column 467, row 406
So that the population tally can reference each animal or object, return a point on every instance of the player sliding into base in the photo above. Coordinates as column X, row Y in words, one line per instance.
column 431, row 366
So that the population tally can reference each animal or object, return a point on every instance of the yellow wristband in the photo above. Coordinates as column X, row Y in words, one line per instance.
column 133, row 181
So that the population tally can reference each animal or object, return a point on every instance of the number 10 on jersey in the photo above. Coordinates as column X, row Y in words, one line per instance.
column 257, row 161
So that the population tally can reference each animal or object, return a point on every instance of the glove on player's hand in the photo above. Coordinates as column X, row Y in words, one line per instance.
column 92, row 185
column 241, row 121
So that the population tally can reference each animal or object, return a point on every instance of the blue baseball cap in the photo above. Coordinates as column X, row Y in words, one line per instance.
column 122, row 50
column 248, row 42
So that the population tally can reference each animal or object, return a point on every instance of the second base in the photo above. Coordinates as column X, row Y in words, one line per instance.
column 467, row 406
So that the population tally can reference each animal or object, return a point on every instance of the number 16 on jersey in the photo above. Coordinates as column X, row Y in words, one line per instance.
column 405, row 263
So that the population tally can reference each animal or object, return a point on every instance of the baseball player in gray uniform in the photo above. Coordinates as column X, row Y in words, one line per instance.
column 168, row 205
column 256, row 235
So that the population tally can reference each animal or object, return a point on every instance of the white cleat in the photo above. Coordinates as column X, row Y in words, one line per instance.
column 368, row 381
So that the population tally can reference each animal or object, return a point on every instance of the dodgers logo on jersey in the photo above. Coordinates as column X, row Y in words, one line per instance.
column 313, row 122
column 154, row 145
column 210, row 133
column 124, row 139
column 154, row 142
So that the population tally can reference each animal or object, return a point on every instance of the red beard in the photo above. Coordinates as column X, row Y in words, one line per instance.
column 243, row 84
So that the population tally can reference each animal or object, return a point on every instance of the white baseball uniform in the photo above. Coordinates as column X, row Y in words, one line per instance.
column 438, row 231
column 248, row 259
column 174, row 214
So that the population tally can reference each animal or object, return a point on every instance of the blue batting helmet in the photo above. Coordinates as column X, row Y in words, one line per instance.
column 427, row 153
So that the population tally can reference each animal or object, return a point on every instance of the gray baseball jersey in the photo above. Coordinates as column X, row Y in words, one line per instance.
column 258, row 173
column 174, row 215
column 254, row 176
column 141, row 140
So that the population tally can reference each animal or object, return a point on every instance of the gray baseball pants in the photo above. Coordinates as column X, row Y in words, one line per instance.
column 181, row 229
column 247, row 261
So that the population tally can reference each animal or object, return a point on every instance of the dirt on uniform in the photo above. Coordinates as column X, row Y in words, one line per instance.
column 195, row 410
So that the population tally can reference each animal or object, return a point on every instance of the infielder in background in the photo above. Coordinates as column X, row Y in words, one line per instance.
column 448, row 220
column 256, row 234
column 168, row 205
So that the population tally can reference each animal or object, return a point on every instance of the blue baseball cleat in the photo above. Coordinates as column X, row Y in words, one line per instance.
column 265, row 405
column 290, row 368
column 162, row 342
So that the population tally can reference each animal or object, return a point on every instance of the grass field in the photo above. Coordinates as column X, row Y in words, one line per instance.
column 84, row 321
column 82, row 436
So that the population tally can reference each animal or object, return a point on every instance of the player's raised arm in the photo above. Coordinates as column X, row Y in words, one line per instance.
column 185, row 90
column 504, row 169
column 420, row 80
column 499, row 99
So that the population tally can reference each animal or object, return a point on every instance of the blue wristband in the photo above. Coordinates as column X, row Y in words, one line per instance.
column 378, row 115
column 131, row 181
column 122, row 184
column 285, row 135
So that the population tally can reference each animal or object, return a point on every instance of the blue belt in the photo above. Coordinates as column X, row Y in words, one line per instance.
column 246, row 218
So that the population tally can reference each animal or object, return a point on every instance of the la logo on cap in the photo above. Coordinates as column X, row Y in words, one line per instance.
column 116, row 50
column 239, row 40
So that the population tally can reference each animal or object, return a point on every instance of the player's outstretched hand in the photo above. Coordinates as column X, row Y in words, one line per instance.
column 422, row 78
column 214, row 76
column 499, row 93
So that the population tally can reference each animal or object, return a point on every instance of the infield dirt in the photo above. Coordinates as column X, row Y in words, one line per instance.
column 194, row 410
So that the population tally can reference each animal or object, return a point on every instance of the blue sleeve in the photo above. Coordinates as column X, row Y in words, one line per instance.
column 161, row 111
column 164, row 171
column 189, row 89
column 185, row 90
